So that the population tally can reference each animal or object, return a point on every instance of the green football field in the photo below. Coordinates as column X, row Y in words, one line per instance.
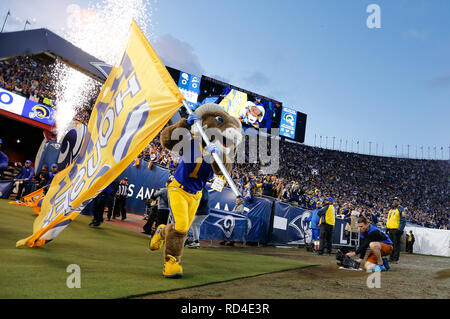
column 114, row 262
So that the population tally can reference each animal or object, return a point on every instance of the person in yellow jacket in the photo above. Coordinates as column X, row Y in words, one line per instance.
column 396, row 222
column 327, row 221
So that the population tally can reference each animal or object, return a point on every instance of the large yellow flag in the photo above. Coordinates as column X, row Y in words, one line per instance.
column 136, row 101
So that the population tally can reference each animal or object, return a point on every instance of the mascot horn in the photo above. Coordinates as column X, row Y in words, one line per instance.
column 195, row 168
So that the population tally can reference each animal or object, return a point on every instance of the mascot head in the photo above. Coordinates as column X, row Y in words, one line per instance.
column 254, row 113
column 222, row 129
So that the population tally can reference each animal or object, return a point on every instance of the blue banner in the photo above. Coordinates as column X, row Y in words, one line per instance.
column 258, row 210
column 5, row 188
column 339, row 238
column 189, row 86
column 38, row 112
column 288, row 122
column 225, row 225
column 289, row 226
column 19, row 105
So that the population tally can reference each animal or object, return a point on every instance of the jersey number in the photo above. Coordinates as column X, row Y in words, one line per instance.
column 196, row 169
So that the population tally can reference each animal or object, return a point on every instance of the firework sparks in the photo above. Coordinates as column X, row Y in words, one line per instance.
column 100, row 30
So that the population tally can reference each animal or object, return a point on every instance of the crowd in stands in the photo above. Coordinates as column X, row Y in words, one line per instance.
column 365, row 183
column 33, row 80
column 368, row 183
column 28, row 78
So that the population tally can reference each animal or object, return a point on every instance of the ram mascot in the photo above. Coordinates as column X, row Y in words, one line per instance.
column 195, row 169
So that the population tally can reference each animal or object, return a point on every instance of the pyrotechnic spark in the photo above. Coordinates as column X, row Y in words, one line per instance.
column 100, row 30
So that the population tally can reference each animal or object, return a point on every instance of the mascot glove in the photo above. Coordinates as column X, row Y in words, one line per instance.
column 191, row 119
column 212, row 148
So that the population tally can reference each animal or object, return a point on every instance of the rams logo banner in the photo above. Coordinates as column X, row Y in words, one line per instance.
column 40, row 111
column 136, row 101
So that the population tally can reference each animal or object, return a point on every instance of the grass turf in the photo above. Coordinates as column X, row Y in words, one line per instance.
column 114, row 262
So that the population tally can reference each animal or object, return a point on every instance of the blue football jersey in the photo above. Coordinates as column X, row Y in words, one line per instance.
column 194, row 169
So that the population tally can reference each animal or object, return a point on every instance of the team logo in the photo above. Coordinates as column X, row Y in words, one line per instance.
column 302, row 227
column 289, row 118
column 71, row 145
column 40, row 111
column 228, row 222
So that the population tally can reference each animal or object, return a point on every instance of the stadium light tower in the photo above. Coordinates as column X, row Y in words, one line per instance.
column 370, row 147
column 408, row 150
column 320, row 141
column 340, row 144
column 333, row 141
column 315, row 137
column 395, row 150
column 326, row 141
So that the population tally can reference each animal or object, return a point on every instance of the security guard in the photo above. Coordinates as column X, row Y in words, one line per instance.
column 327, row 221
column 395, row 224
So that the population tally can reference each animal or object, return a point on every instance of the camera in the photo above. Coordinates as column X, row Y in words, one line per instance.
column 345, row 261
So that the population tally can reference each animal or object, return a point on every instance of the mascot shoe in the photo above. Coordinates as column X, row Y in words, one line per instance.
column 157, row 239
column 172, row 268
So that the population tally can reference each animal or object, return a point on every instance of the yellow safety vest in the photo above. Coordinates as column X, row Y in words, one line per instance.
column 329, row 216
column 393, row 220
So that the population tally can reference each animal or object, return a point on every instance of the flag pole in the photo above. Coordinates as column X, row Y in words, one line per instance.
column 215, row 155
column 7, row 15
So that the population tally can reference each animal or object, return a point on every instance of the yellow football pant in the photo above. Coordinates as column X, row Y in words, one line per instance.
column 183, row 205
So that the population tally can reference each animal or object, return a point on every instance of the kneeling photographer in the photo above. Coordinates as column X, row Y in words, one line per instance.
column 379, row 243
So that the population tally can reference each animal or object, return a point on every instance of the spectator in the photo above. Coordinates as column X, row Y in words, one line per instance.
column 109, row 199
column 151, row 215
column 99, row 208
column 379, row 243
column 121, row 198
column 410, row 242
column 314, row 219
column 200, row 216
column 42, row 180
column 327, row 220
column 25, row 179
column 395, row 224
column 163, row 204
column 238, row 209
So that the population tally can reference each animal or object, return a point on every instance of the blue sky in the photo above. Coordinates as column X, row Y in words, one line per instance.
column 389, row 85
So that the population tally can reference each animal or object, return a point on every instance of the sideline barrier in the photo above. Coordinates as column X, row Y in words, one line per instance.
column 264, row 220
column 429, row 241
column 6, row 187
column 225, row 225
